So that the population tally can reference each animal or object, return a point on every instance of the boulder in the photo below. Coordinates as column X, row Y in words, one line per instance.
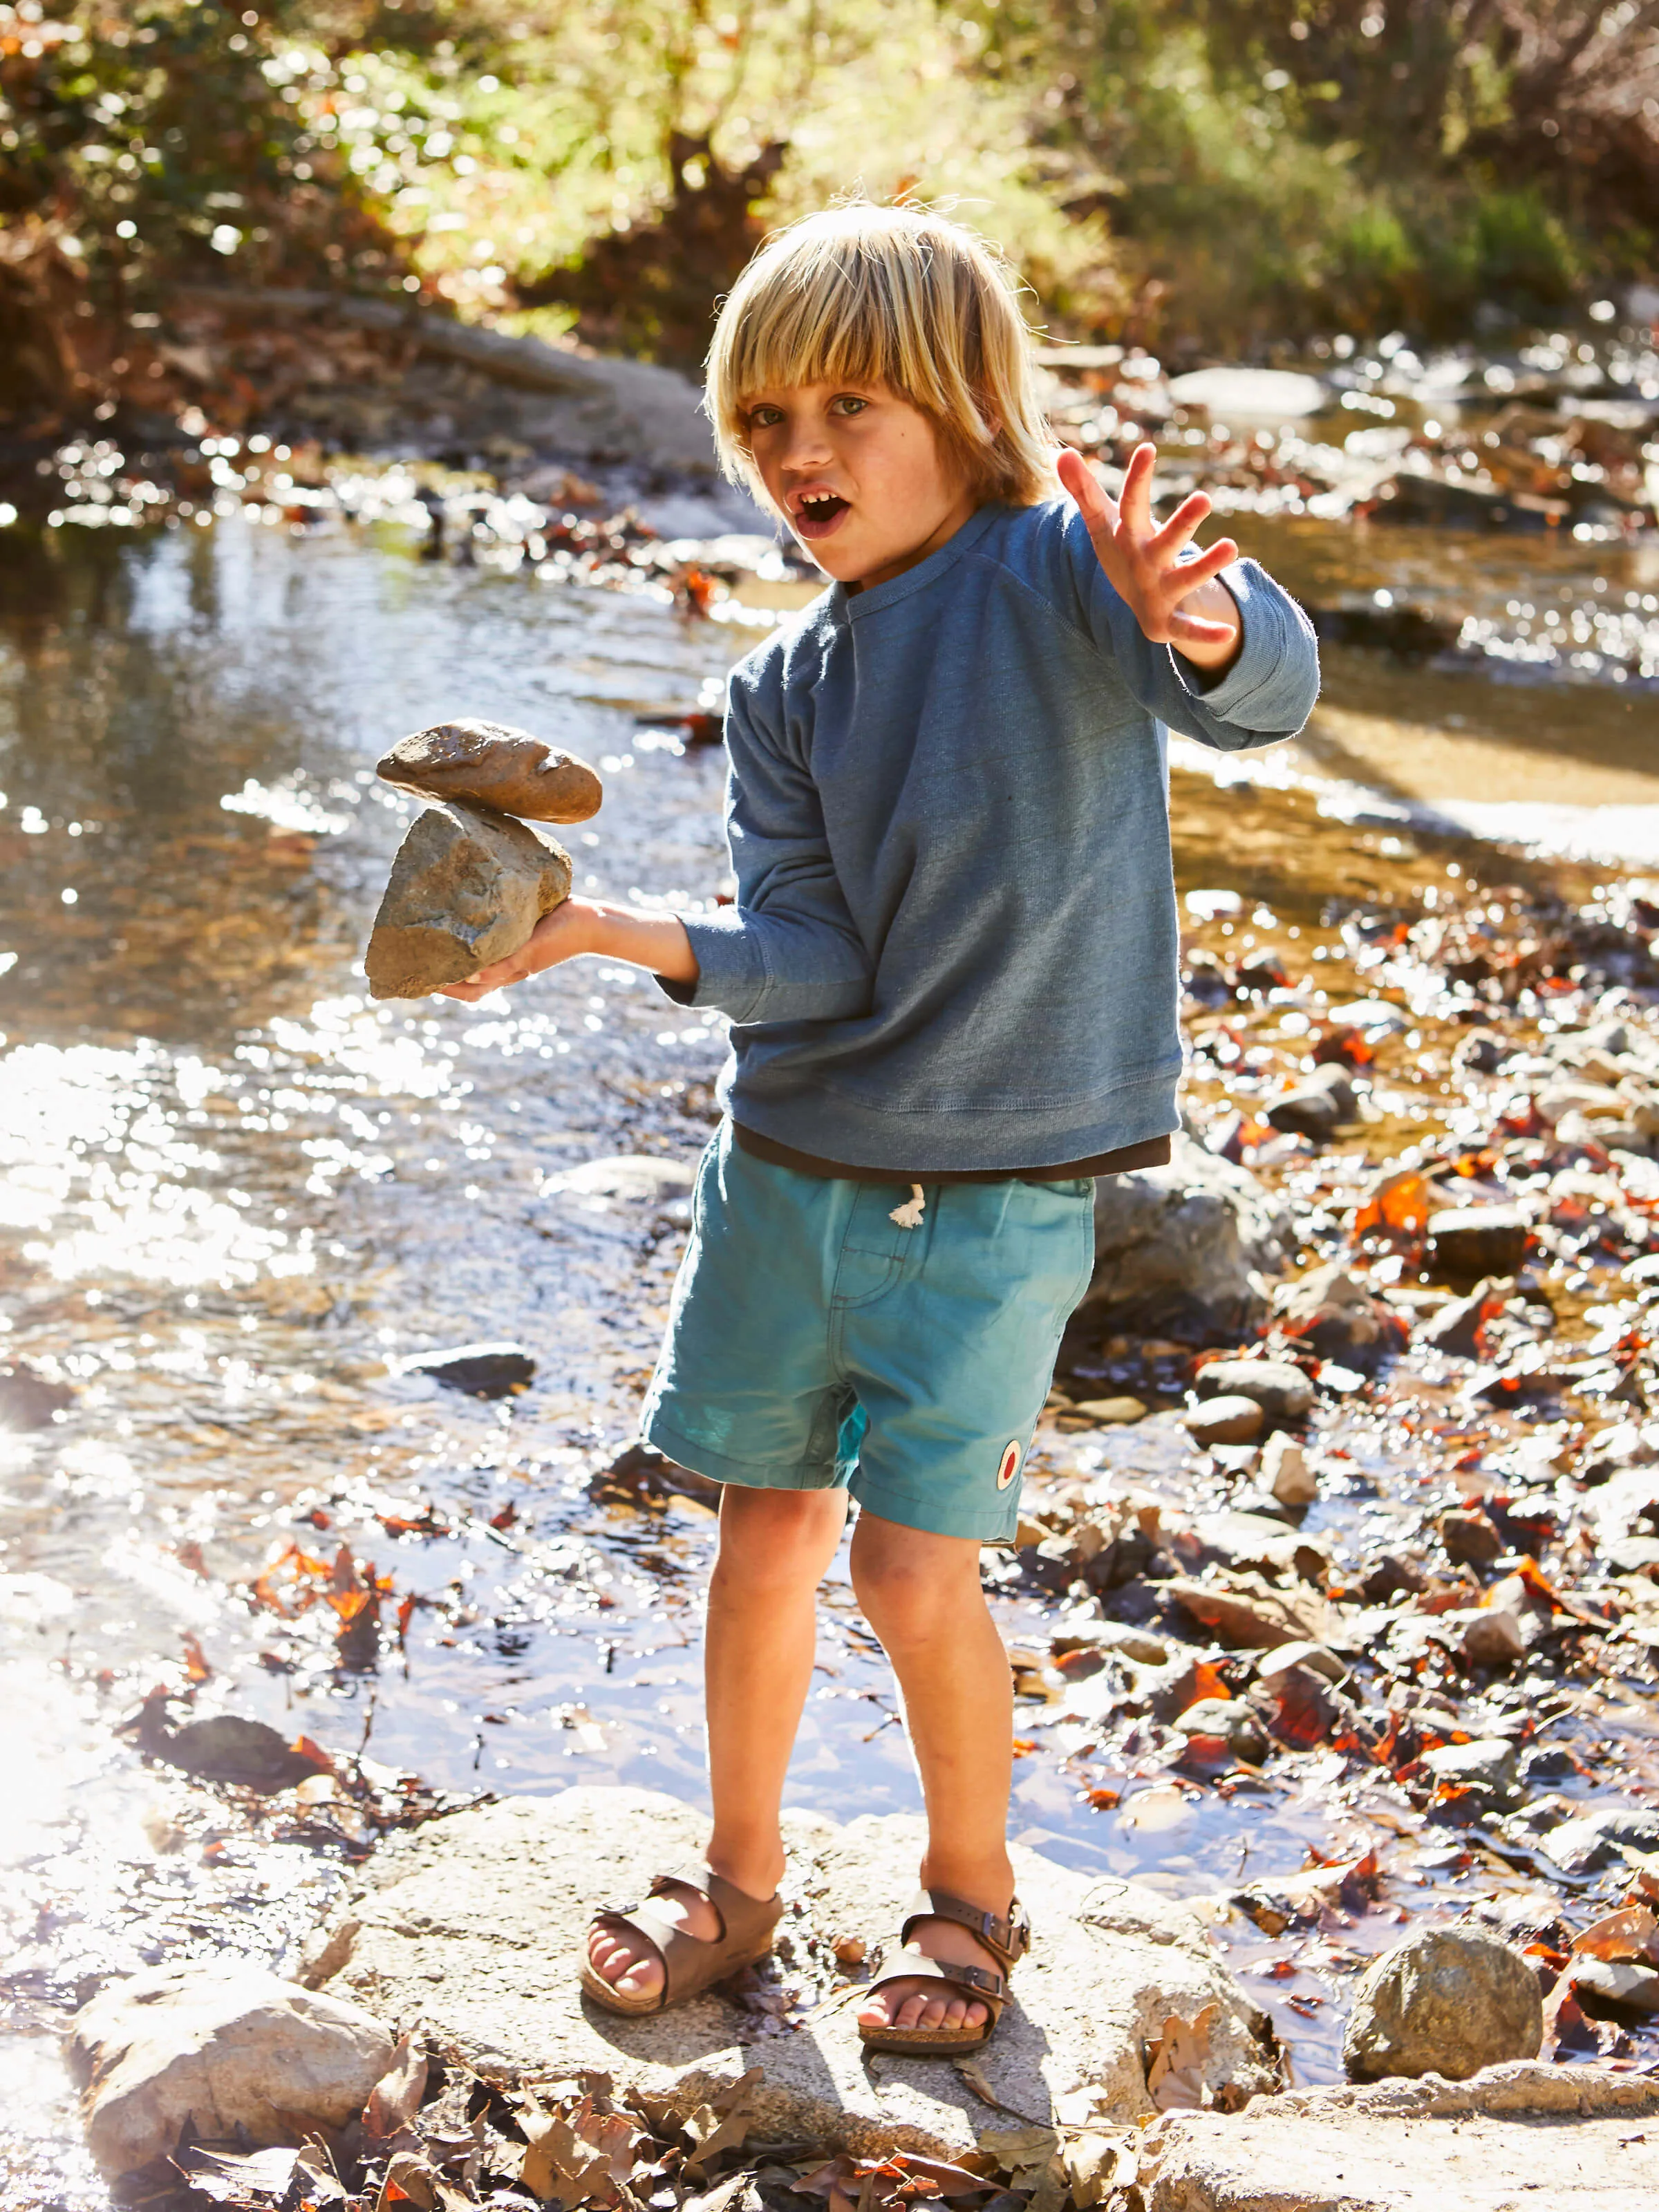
column 475, row 1924
column 488, row 764
column 1445, row 2000
column 1190, row 1246
column 222, row 2049
column 1468, row 1241
column 1281, row 1389
column 1232, row 1420
column 1528, row 2134
column 467, row 888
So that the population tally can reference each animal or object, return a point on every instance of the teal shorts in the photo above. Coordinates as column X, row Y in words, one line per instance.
column 814, row 1343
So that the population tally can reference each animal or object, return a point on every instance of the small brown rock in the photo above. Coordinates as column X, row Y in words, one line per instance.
column 1490, row 1637
column 1286, row 1471
column 488, row 764
column 1468, row 1241
column 1470, row 1539
column 1232, row 1420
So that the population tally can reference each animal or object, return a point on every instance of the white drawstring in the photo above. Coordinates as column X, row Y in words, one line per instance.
column 908, row 1216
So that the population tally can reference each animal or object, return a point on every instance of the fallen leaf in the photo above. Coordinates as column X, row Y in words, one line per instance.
column 1632, row 1932
column 396, row 2097
column 1175, row 2063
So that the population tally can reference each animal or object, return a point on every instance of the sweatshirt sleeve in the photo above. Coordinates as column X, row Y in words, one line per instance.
column 1269, row 691
column 787, row 951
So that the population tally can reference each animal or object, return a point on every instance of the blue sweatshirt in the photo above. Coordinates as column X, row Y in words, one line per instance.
column 955, row 946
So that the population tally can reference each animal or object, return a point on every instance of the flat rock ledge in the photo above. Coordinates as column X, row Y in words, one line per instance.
column 474, row 1925
column 1517, row 2135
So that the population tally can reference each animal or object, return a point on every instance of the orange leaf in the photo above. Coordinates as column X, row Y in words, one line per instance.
column 196, row 1665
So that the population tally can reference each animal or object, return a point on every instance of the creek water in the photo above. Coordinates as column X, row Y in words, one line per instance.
column 237, row 1193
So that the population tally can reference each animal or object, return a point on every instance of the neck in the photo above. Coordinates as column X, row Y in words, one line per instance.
column 962, row 510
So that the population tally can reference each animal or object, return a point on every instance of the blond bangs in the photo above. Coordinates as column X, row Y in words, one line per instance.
column 862, row 294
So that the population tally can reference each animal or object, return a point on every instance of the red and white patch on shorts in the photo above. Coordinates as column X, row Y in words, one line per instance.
column 1008, row 1467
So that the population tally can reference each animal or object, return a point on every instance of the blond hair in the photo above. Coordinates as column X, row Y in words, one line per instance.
column 862, row 294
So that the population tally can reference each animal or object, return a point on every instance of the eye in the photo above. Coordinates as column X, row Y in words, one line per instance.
column 849, row 403
column 763, row 417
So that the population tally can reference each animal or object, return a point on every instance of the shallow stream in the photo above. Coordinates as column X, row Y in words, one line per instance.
column 234, row 1189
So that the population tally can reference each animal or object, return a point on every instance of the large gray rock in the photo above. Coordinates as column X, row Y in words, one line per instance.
column 1194, row 1241
column 488, row 764
column 467, row 887
column 223, row 2048
column 1515, row 2134
column 1446, row 2000
column 476, row 1924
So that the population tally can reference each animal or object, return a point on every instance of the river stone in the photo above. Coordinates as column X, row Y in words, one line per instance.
column 1466, row 1241
column 1324, row 1104
column 1230, row 1420
column 1286, row 1471
column 1529, row 2133
column 490, row 765
column 1446, row 2000
column 467, row 888
column 475, row 1924
column 223, row 2049
column 1281, row 1389
column 1488, row 1766
column 1192, row 1245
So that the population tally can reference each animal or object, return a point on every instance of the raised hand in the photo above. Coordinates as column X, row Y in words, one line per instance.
column 1176, row 602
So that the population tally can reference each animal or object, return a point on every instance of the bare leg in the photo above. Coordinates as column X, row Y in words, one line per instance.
column 921, row 1594
column 775, row 1545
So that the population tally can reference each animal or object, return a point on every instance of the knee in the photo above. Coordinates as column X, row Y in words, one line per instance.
column 774, row 1541
column 904, row 1596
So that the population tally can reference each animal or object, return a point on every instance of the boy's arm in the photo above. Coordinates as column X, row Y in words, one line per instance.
column 787, row 951
column 1209, row 643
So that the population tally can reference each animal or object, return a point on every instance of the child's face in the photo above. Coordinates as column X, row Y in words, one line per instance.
column 857, row 474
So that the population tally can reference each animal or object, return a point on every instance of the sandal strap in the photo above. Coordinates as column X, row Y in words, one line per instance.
column 745, row 1921
column 979, row 1981
column 1007, row 1939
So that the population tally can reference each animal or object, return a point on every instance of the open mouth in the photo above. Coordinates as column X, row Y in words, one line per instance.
column 817, row 513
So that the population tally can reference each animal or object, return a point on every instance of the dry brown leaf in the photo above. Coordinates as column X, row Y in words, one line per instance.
column 396, row 2097
column 1632, row 1932
column 1175, row 2066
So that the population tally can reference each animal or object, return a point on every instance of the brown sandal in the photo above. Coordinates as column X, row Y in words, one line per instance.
column 691, row 1964
column 1006, row 1940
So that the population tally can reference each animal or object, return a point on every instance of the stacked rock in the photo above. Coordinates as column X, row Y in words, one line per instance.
column 470, row 882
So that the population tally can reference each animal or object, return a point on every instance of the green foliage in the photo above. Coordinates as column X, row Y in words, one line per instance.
column 1213, row 173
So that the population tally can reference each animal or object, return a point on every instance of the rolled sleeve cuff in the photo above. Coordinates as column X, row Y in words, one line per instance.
column 731, row 974
column 1254, row 693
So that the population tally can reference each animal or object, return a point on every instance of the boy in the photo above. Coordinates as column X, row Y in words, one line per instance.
column 951, row 975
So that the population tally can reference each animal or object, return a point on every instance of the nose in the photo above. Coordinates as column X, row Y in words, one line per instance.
column 806, row 444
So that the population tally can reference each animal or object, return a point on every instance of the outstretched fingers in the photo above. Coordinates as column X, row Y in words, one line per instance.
column 1188, row 575
column 1182, row 523
column 1098, row 511
column 1135, row 500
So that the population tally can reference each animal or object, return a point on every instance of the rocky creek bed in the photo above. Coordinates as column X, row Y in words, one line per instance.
column 1334, row 1611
